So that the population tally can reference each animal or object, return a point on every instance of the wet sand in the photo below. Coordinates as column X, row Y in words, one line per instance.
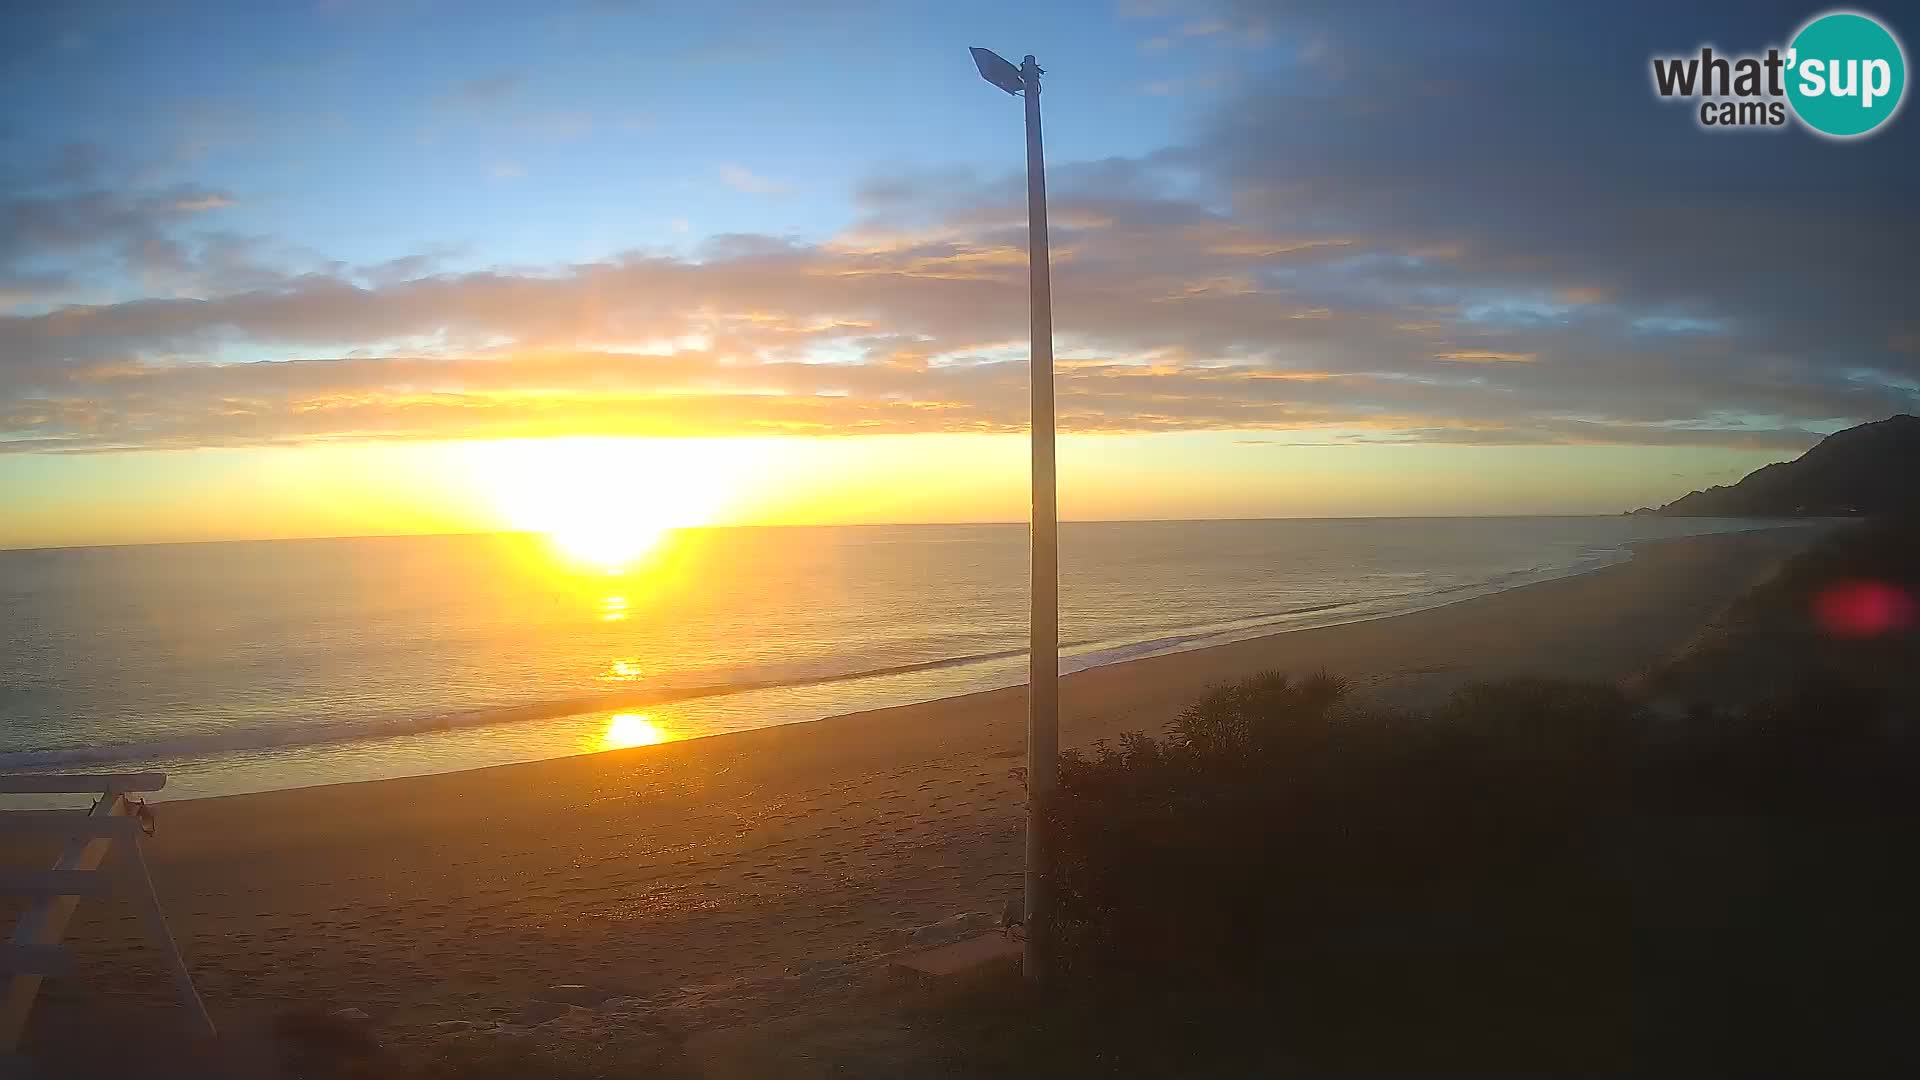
column 460, row 895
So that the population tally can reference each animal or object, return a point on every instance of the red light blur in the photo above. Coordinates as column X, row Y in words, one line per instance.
column 1863, row 609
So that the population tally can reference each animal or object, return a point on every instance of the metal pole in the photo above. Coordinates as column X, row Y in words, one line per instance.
column 1043, row 673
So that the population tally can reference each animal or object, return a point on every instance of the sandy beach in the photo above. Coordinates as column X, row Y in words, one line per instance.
column 459, row 895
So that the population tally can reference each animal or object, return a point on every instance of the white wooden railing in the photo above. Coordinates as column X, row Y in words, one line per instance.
column 113, row 827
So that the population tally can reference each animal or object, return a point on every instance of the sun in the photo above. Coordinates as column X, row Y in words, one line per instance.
column 607, row 537
column 606, row 503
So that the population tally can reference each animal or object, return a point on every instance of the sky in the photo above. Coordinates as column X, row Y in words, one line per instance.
column 341, row 268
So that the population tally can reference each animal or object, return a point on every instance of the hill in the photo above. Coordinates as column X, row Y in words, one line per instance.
column 1869, row 469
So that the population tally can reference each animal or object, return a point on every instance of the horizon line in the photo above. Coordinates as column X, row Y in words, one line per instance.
column 807, row 525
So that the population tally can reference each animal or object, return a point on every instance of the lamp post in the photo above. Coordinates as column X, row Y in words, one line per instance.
column 1043, row 665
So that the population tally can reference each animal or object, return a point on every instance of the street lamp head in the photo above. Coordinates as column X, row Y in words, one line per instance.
column 997, row 70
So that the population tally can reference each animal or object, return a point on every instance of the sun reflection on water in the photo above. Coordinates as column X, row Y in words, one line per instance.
column 613, row 609
column 633, row 729
column 623, row 671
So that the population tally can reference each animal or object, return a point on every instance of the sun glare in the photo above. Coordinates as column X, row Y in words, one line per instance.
column 633, row 729
column 609, row 541
column 606, row 503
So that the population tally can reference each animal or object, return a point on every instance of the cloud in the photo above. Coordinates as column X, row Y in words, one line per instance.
column 35, row 225
column 1572, row 183
column 53, row 233
column 77, row 163
column 1249, row 29
column 28, row 286
column 208, row 200
column 209, row 262
column 915, row 324
column 1487, row 357
column 1334, row 252
column 1584, row 294
column 406, row 267
column 741, row 179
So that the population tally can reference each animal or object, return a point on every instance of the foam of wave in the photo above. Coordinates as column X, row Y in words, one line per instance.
column 266, row 737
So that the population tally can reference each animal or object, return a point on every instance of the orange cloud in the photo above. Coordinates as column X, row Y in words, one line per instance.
column 1487, row 357
column 1585, row 294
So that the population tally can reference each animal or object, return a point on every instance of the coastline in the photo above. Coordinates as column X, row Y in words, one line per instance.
column 457, row 894
column 459, row 736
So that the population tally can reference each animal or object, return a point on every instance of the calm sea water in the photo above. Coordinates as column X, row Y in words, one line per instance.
column 249, row 666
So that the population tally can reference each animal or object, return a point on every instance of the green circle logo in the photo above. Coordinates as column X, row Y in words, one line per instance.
column 1846, row 74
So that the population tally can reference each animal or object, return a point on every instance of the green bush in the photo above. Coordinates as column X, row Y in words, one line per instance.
column 1274, row 808
column 1512, row 880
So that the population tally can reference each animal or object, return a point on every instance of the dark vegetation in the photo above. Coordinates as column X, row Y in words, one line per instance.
column 1536, row 876
column 1775, row 639
column 1867, row 469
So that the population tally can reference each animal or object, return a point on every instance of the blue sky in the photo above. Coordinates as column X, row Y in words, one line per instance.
column 512, row 133
column 255, row 232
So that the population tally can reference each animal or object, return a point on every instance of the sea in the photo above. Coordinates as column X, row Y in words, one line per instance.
column 258, row 665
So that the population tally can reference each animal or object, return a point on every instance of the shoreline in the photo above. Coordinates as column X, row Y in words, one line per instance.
column 1390, row 686
column 249, row 761
column 1207, row 642
column 460, row 895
